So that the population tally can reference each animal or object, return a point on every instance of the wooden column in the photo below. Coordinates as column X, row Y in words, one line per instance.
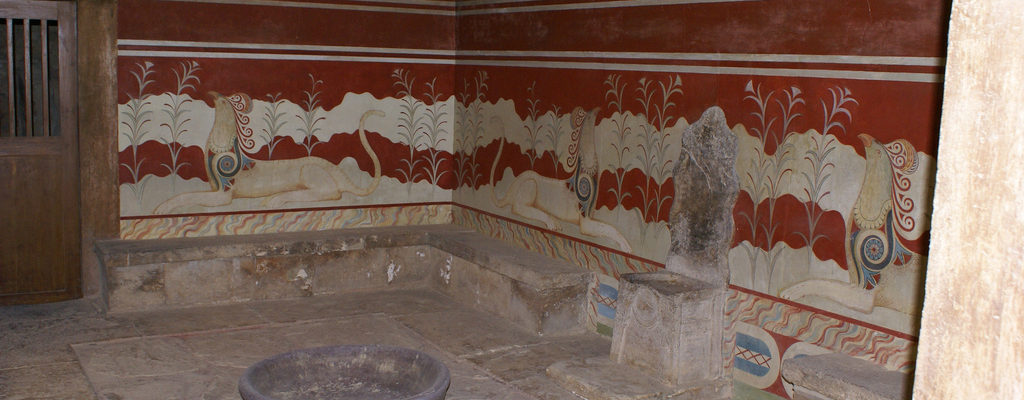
column 972, row 331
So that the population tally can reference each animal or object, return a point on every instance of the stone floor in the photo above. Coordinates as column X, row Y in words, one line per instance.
column 74, row 351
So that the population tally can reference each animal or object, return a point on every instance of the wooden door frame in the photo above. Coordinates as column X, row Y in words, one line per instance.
column 63, row 145
column 97, row 136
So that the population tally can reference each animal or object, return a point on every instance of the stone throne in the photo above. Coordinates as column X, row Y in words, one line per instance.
column 670, row 329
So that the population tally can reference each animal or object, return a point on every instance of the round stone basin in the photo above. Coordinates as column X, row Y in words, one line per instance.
column 365, row 372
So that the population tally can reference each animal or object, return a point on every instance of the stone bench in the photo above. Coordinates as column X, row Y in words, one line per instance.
column 839, row 376
column 541, row 294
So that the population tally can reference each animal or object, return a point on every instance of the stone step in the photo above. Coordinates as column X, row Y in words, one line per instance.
column 839, row 376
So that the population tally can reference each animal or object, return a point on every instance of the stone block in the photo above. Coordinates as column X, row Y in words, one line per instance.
column 281, row 276
column 839, row 376
column 136, row 288
column 208, row 281
column 553, row 309
column 670, row 326
column 368, row 269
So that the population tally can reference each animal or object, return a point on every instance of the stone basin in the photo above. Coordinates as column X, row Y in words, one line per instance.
column 365, row 372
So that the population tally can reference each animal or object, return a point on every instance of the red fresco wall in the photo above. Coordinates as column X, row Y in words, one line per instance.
column 835, row 105
column 305, row 64
column 865, row 77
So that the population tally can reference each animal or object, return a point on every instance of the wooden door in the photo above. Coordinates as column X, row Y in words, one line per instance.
column 39, row 216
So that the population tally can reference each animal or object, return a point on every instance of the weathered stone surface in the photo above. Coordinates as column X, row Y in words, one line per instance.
column 347, row 372
column 520, row 362
column 136, row 288
column 474, row 285
column 553, row 310
column 47, row 311
column 602, row 379
column 117, row 253
column 192, row 319
column 468, row 333
column 27, row 342
column 838, row 376
column 544, row 387
column 518, row 264
column 201, row 352
column 205, row 282
column 62, row 380
column 670, row 326
column 540, row 294
column 706, row 186
column 397, row 303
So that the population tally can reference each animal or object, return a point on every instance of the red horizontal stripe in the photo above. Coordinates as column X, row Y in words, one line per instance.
column 284, row 210
column 564, row 236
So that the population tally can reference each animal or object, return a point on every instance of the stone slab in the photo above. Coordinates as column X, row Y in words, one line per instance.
column 544, row 388
column 841, row 376
column 28, row 342
column 391, row 302
column 540, row 271
column 193, row 319
column 521, row 362
column 208, row 364
column 601, row 379
column 466, row 333
column 63, row 380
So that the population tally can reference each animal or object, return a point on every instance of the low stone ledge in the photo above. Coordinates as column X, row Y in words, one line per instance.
column 540, row 271
column 539, row 293
column 839, row 376
column 119, row 253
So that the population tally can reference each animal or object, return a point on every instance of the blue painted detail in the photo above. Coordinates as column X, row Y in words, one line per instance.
column 751, row 368
column 608, row 291
column 754, row 345
column 605, row 311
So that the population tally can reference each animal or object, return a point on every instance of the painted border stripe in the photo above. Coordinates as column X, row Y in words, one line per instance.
column 581, row 5
column 683, row 69
column 716, row 70
column 285, row 47
column 435, row 3
column 287, row 57
column 287, row 210
column 659, row 56
column 447, row 11
column 708, row 70
column 740, row 57
column 840, row 317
